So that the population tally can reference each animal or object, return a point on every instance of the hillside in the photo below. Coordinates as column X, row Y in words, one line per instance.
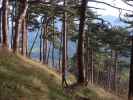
column 24, row 79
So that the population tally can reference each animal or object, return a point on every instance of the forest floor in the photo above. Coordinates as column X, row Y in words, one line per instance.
column 24, row 79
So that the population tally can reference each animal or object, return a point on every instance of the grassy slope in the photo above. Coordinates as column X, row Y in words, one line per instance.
column 24, row 79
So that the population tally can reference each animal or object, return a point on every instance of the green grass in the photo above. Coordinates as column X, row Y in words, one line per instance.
column 24, row 79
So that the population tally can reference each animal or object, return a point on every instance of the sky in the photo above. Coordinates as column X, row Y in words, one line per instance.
column 0, row 3
column 109, row 11
column 110, row 14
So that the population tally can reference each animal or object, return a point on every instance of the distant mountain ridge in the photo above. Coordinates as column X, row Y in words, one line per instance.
column 114, row 20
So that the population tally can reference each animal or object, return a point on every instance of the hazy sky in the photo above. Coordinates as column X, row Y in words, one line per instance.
column 109, row 10
column 0, row 3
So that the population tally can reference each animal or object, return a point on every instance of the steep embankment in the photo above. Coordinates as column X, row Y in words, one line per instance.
column 24, row 79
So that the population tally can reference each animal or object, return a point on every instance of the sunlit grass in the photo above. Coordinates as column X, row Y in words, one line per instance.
column 25, row 79
column 21, row 78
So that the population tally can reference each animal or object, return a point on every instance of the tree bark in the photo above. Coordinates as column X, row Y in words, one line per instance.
column 0, row 25
column 87, row 59
column 60, row 53
column 22, row 13
column 24, row 37
column 12, row 18
column 45, row 40
column 115, row 71
column 130, row 92
column 48, row 54
column 53, row 43
column 80, row 43
column 5, row 23
column 92, row 65
column 40, row 56
column 64, row 49
column 45, row 45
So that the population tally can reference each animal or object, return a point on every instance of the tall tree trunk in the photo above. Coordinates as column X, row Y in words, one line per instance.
column 21, row 15
column 34, row 41
column 60, row 53
column 45, row 44
column 115, row 70
column 43, row 50
column 92, row 65
column 45, row 40
column 40, row 56
column 12, row 18
column 27, row 43
column 108, row 66
column 53, row 43
column 5, row 5
column 130, row 92
column 0, row 25
column 24, row 37
column 48, row 54
column 87, row 58
column 80, row 43
column 53, row 62
column 64, row 49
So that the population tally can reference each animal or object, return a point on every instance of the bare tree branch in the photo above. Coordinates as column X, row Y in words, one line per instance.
column 110, row 5
column 126, row 1
column 38, row 1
